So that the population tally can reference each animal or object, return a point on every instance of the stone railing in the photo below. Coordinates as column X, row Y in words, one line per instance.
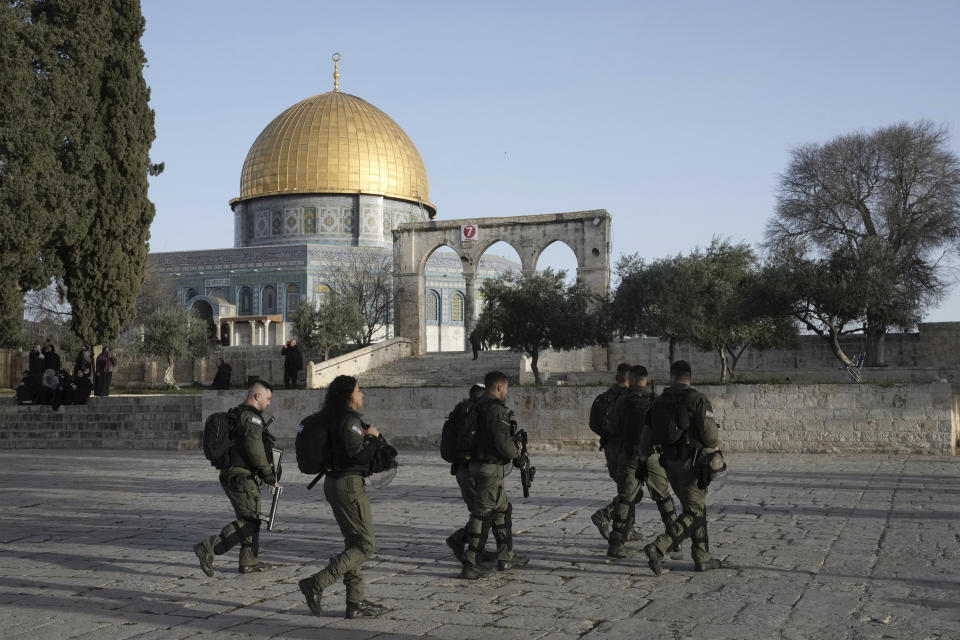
column 320, row 374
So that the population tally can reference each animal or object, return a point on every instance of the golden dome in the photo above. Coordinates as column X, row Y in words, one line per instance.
column 335, row 143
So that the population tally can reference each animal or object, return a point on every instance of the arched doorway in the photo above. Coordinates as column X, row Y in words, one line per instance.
column 205, row 310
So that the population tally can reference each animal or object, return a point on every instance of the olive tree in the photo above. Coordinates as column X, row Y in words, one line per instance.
column 174, row 332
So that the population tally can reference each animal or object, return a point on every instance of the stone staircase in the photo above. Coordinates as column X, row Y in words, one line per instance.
column 457, row 368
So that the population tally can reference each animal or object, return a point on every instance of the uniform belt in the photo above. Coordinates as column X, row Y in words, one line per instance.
column 344, row 474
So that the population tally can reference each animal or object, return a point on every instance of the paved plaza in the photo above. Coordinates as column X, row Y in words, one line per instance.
column 97, row 544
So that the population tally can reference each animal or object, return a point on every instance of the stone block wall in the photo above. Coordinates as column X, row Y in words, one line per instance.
column 145, row 422
column 940, row 345
column 905, row 418
column 902, row 418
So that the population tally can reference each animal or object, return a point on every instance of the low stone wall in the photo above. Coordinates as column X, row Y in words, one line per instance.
column 906, row 418
column 132, row 422
column 935, row 345
column 903, row 418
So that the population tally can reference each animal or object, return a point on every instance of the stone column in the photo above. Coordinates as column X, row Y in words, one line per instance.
column 253, row 332
column 408, row 309
column 266, row 331
column 469, row 321
column 233, row 334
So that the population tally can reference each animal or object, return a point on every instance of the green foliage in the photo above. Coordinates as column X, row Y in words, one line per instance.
column 75, row 132
column 30, row 180
column 538, row 312
column 330, row 325
column 660, row 299
column 889, row 200
column 174, row 332
column 700, row 299
column 728, row 323
column 827, row 296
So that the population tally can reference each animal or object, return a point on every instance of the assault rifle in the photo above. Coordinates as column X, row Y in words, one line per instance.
column 523, row 463
column 271, row 517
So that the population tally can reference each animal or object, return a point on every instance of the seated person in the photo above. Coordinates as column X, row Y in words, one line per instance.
column 28, row 388
column 66, row 393
column 47, row 387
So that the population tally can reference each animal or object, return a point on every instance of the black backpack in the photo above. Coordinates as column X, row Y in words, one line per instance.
column 313, row 445
column 603, row 422
column 459, row 432
column 218, row 432
column 669, row 417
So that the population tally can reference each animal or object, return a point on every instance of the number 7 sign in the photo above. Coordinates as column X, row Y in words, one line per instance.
column 468, row 232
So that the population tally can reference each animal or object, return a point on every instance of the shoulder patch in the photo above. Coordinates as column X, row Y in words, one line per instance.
column 256, row 420
column 356, row 429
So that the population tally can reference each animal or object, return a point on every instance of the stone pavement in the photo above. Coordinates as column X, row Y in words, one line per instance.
column 97, row 544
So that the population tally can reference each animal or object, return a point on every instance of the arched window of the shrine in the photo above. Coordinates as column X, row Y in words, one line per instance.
column 189, row 295
column 321, row 294
column 269, row 299
column 246, row 301
column 292, row 301
column 433, row 307
column 456, row 308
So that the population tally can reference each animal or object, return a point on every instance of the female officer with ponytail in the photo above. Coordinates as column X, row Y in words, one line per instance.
column 354, row 445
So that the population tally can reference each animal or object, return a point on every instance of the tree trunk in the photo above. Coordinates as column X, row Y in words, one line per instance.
column 837, row 351
column 875, row 346
column 724, row 370
column 672, row 348
column 534, row 356
column 734, row 359
column 168, row 378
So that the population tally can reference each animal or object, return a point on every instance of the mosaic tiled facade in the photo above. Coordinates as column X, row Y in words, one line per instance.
column 273, row 280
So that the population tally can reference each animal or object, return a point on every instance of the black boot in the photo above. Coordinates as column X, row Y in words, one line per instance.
column 365, row 609
column 205, row 557
column 312, row 595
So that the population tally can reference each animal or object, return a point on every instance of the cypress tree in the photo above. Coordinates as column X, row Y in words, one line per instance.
column 74, row 148
column 105, row 252
column 30, row 176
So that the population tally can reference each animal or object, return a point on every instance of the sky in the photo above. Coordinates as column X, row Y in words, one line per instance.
column 676, row 117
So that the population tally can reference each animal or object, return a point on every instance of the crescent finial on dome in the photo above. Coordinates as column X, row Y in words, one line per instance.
column 336, row 72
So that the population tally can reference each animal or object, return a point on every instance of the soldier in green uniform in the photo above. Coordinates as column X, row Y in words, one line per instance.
column 251, row 456
column 496, row 444
column 631, row 411
column 604, row 423
column 461, row 469
column 354, row 445
column 683, row 409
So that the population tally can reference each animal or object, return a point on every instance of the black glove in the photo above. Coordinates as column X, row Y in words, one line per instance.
column 642, row 470
column 270, row 479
